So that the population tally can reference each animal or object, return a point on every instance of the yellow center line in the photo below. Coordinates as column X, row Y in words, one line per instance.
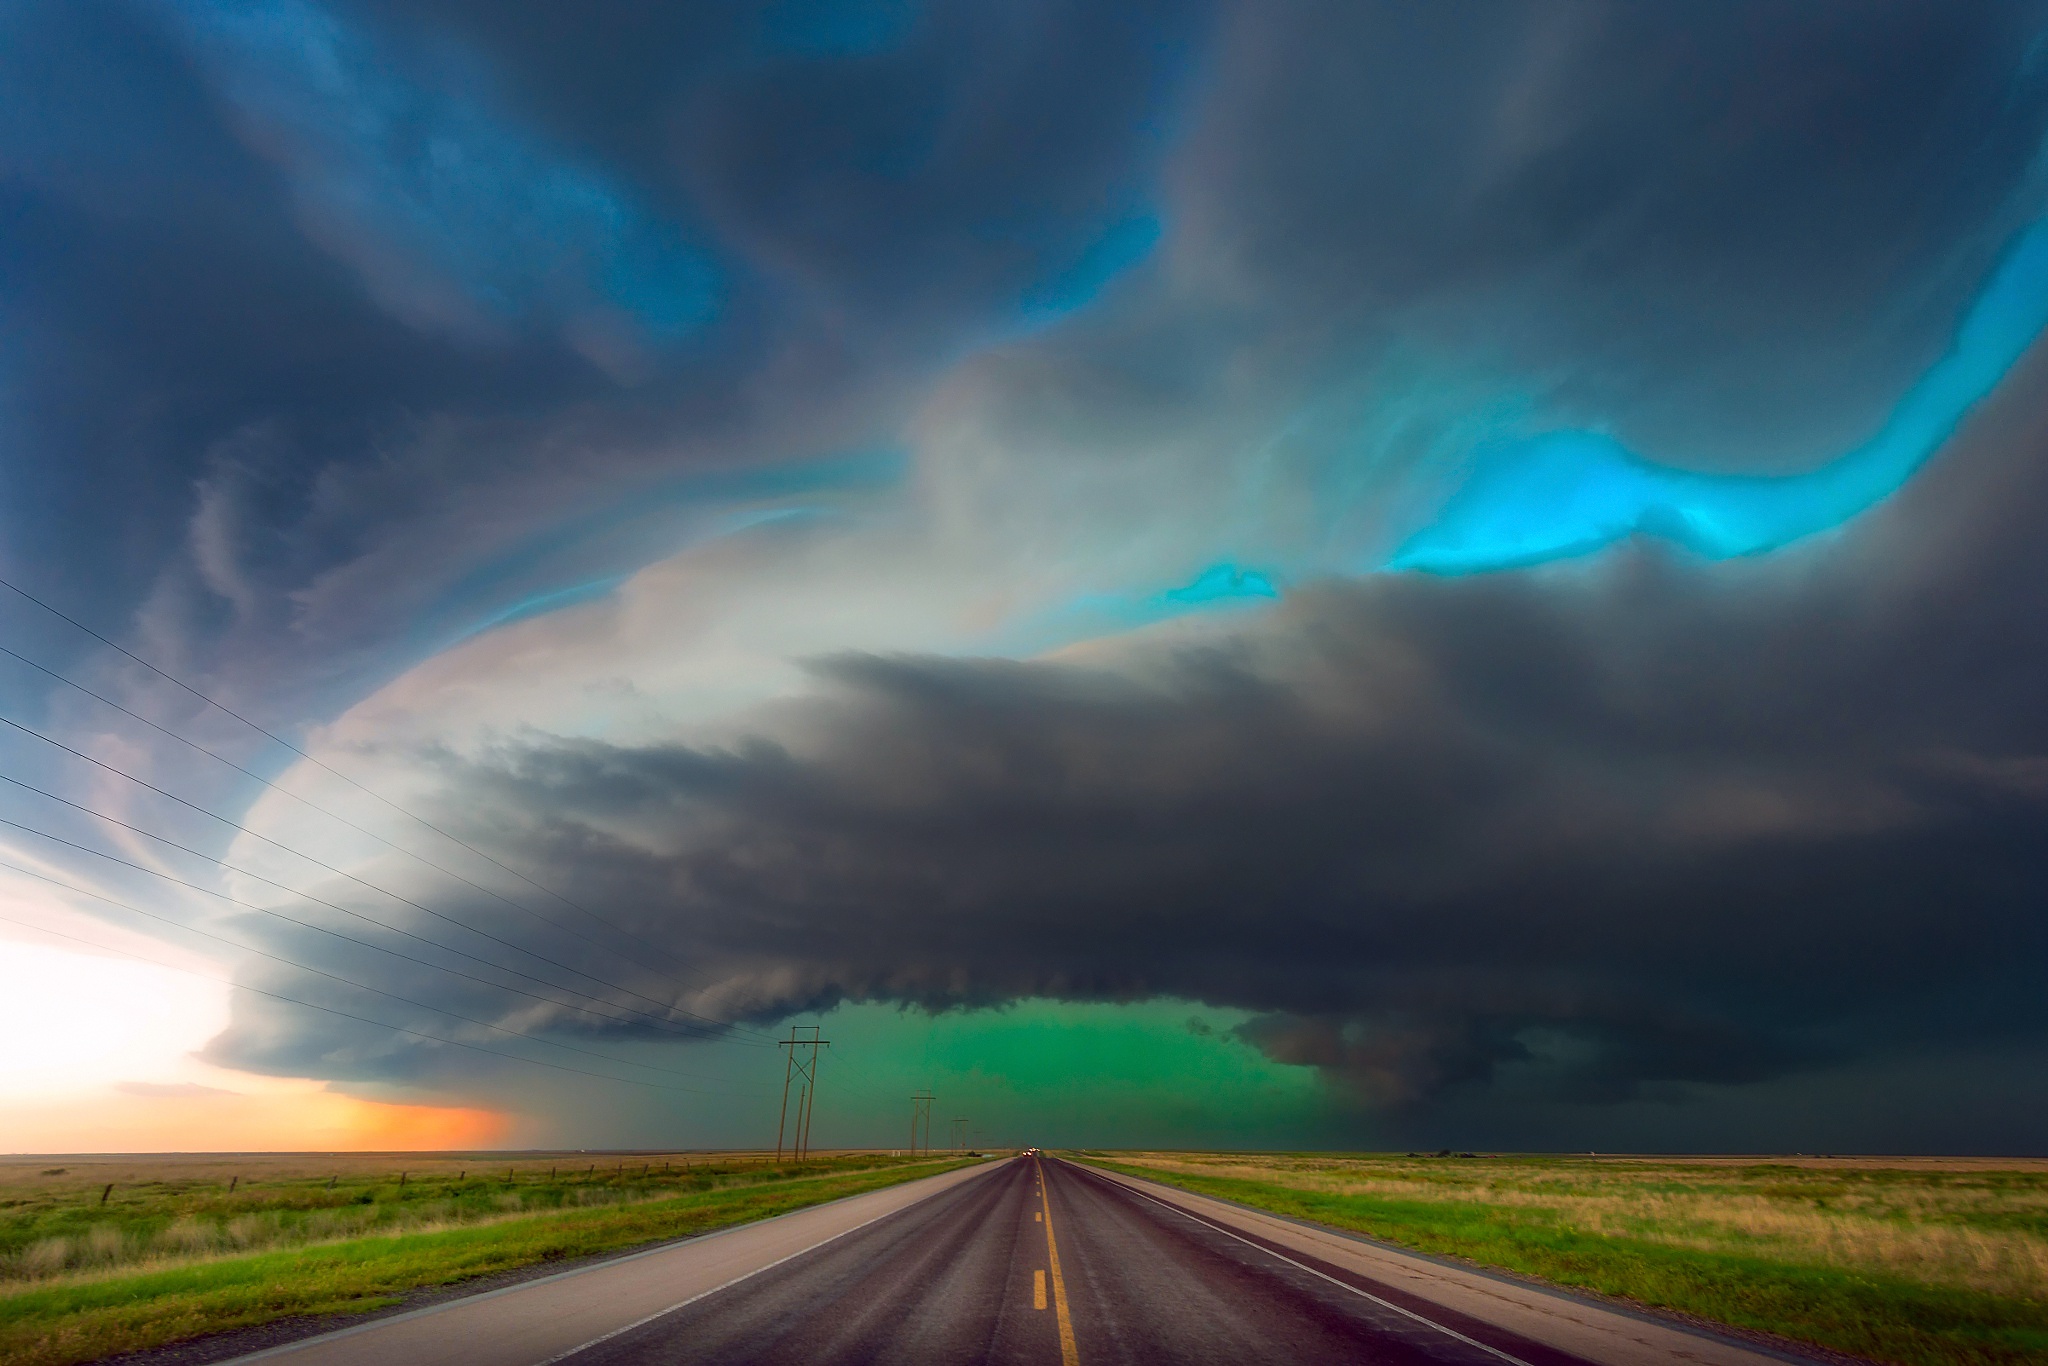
column 1038, row 1290
column 1068, row 1356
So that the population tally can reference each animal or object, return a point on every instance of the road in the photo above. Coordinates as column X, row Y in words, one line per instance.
column 972, row 1276
column 1030, row 1261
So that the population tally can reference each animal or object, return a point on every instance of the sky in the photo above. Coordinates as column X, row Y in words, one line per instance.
column 1270, row 574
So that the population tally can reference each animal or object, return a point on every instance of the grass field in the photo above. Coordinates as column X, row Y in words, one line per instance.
column 1917, row 1261
column 101, row 1255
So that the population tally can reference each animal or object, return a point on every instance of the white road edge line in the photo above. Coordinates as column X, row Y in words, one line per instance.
column 1282, row 1257
column 744, row 1276
column 656, row 1250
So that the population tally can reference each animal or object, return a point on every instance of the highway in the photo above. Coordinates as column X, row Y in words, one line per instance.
column 970, row 1276
column 1030, row 1260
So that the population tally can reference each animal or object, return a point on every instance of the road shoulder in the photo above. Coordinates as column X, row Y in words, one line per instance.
column 284, row 1336
column 1578, row 1325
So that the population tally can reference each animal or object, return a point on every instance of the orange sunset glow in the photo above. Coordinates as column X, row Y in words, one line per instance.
column 281, row 1117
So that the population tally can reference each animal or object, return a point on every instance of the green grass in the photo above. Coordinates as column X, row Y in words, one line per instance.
column 80, row 1316
column 95, row 1214
column 1915, row 1265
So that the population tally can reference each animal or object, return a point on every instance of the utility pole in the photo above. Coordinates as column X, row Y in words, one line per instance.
column 802, row 1068
column 921, row 1117
column 960, row 1134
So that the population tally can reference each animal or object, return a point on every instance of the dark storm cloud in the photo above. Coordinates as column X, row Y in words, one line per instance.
column 903, row 160
column 1686, row 223
column 305, row 376
column 1578, row 836
column 309, row 403
column 1671, row 214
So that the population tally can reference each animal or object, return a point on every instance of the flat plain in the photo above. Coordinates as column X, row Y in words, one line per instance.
column 103, row 1254
column 1923, row 1261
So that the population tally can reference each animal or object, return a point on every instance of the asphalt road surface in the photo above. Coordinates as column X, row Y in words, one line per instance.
column 975, row 1274
column 1024, row 1261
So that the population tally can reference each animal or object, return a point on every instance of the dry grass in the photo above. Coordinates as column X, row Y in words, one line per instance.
column 1979, row 1227
column 1924, row 1260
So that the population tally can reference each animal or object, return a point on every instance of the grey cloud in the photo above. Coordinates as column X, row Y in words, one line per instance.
column 217, row 364
column 936, row 173
column 1734, row 236
column 1588, row 833
column 1578, row 837
column 1658, row 217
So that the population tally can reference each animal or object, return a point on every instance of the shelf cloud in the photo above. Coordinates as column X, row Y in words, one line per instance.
column 1493, row 548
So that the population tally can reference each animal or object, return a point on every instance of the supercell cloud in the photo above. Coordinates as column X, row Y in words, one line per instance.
column 1495, row 547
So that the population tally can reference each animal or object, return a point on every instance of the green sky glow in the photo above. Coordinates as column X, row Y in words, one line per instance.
column 1161, row 1073
column 1158, row 1072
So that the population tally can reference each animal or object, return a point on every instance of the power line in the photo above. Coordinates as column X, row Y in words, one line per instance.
column 363, row 1019
column 701, row 1030
column 307, row 802
column 318, row 863
column 369, row 920
column 360, row 986
column 327, row 768
column 856, row 1087
column 417, row 819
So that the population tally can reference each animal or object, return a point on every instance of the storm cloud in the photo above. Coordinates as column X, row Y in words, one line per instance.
column 899, row 504
column 1615, row 826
